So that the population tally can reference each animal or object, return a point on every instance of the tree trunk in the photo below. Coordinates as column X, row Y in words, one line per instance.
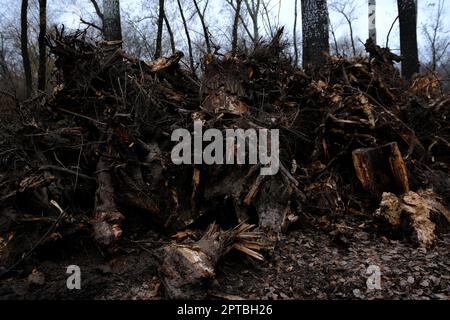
column 350, row 27
column 253, row 8
column 42, row 72
column 205, row 28
column 188, row 37
column 295, row 33
column 315, row 32
column 112, row 29
column 333, row 33
column 158, row 50
column 381, row 170
column 24, row 47
column 237, row 14
column 373, row 20
column 407, row 11
column 171, row 37
column 107, row 218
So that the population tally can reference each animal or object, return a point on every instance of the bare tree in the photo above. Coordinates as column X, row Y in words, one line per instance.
column 112, row 29
column 315, row 32
column 24, row 47
column 253, row 10
column 6, row 75
column 407, row 13
column 347, row 10
column 268, row 20
column 295, row 33
column 333, row 33
column 240, row 14
column 42, row 72
column 188, row 36
column 234, row 41
column 170, row 32
column 161, row 15
column 99, row 13
column 201, row 15
column 372, row 20
column 438, row 45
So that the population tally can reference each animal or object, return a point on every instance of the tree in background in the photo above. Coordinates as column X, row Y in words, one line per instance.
column 99, row 14
column 373, row 20
column 237, row 14
column 253, row 10
column 188, row 36
column 112, row 29
column 295, row 33
column 170, row 32
column 42, row 72
column 433, row 31
column 407, row 14
column 315, row 32
column 24, row 48
column 201, row 15
column 159, row 32
column 348, row 10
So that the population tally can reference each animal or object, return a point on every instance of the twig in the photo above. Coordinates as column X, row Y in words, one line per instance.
column 80, row 175
column 62, row 214
column 81, row 116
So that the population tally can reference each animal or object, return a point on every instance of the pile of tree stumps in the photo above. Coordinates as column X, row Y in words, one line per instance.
column 353, row 138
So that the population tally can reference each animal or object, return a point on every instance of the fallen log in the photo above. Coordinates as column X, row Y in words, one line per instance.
column 107, row 218
column 411, row 215
column 187, row 269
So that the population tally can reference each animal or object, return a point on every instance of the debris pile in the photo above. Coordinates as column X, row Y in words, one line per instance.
column 352, row 139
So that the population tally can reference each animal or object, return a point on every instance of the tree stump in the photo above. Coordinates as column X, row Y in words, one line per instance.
column 381, row 170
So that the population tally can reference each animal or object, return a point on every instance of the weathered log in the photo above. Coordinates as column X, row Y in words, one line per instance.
column 381, row 170
column 409, row 215
column 187, row 269
column 107, row 218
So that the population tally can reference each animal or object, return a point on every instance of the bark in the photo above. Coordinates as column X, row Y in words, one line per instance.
column 315, row 32
column 187, row 269
column 408, row 37
column 236, row 26
column 107, row 218
column 381, row 170
column 204, row 27
column 112, row 29
column 42, row 72
column 24, row 47
column 409, row 215
column 295, row 33
column 158, row 51
column 188, row 37
column 372, row 21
